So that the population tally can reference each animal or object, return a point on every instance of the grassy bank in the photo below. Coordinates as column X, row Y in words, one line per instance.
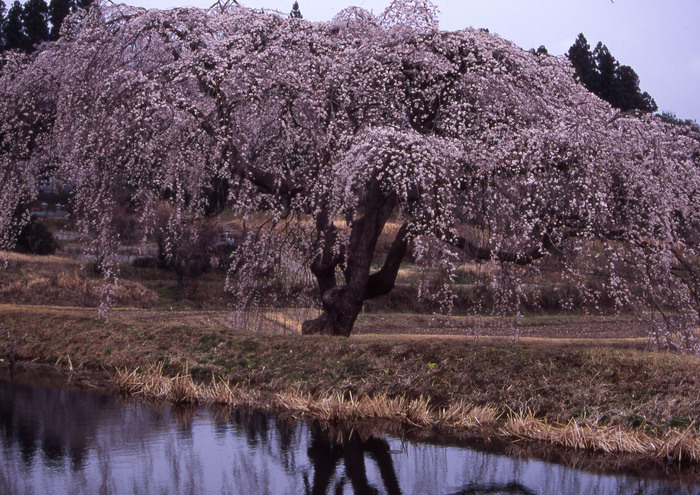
column 606, row 395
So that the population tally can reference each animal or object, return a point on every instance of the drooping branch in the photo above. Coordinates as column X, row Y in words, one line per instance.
column 525, row 257
column 267, row 182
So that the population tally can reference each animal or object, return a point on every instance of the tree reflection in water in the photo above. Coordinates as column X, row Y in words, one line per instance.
column 59, row 429
column 325, row 455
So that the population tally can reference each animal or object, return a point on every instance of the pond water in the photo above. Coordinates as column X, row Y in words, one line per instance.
column 57, row 440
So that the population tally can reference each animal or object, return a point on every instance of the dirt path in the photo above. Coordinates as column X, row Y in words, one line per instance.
column 551, row 327
column 388, row 325
column 399, row 326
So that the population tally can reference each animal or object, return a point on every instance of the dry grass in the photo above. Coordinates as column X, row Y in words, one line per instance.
column 53, row 280
column 464, row 415
column 335, row 408
column 524, row 425
column 181, row 389
column 150, row 384
column 219, row 392
column 683, row 446
column 679, row 446
column 13, row 258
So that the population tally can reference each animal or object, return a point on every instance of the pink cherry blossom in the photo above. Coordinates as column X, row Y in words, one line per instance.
column 474, row 149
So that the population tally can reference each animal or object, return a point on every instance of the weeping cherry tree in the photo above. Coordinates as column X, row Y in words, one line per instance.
column 469, row 147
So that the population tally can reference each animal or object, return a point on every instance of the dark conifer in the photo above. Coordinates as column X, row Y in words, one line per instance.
column 582, row 59
column 35, row 20
column 295, row 13
column 15, row 39
column 601, row 74
column 58, row 11
column 3, row 22
column 606, row 71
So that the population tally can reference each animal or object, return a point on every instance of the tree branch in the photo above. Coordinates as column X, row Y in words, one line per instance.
column 382, row 282
column 519, row 258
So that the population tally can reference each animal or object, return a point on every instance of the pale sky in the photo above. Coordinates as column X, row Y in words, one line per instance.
column 659, row 39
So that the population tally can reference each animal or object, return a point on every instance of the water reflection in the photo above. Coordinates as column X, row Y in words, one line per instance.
column 54, row 440
column 325, row 455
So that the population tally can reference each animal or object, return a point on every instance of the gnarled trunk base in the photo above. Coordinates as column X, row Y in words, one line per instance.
column 320, row 325
column 333, row 321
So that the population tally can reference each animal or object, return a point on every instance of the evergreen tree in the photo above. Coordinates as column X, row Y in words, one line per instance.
column 83, row 4
column 15, row 39
column 542, row 50
column 3, row 22
column 649, row 102
column 601, row 74
column 295, row 13
column 35, row 18
column 605, row 84
column 582, row 59
column 58, row 11
column 628, row 82
column 629, row 94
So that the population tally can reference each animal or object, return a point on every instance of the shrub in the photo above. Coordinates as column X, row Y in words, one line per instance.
column 35, row 238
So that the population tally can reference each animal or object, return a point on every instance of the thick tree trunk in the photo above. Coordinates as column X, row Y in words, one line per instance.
column 338, row 317
column 342, row 304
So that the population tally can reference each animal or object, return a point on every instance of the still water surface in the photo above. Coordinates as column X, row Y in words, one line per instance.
column 55, row 440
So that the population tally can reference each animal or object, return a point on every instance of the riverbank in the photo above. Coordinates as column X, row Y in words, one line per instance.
column 595, row 395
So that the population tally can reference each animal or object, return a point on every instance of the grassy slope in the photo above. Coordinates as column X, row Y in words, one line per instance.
column 610, row 381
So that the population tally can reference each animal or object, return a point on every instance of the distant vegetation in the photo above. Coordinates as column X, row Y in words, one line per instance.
column 603, row 75
column 24, row 26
